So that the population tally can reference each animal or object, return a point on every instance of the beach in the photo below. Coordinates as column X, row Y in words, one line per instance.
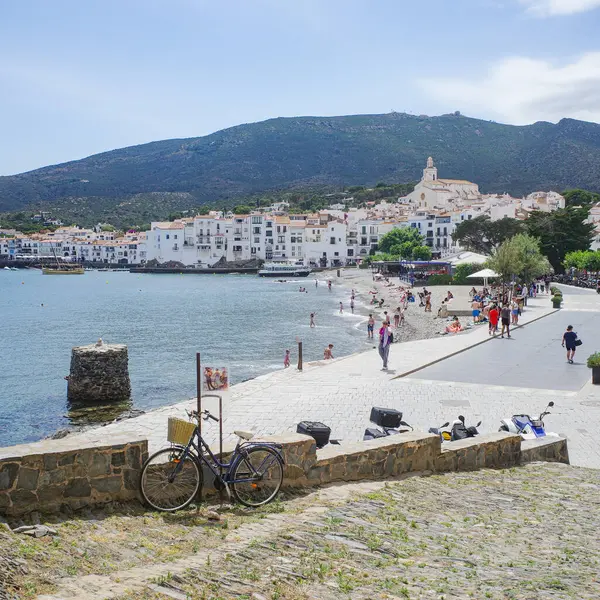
column 418, row 324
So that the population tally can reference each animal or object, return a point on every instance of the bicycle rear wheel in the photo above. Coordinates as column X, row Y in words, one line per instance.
column 257, row 476
column 168, row 482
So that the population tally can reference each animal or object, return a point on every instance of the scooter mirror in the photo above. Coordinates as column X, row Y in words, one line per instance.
column 478, row 424
column 461, row 418
column 445, row 425
column 550, row 404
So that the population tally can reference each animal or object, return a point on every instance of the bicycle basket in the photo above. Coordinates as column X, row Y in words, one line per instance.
column 180, row 431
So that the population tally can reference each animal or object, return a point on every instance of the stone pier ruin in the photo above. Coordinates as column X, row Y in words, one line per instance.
column 99, row 374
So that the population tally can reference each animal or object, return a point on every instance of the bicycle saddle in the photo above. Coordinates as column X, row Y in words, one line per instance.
column 245, row 435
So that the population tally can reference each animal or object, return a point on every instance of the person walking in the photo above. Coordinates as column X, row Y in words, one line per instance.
column 385, row 339
column 352, row 304
column 286, row 359
column 569, row 339
column 428, row 303
column 312, row 320
column 397, row 318
column 514, row 312
column 370, row 327
column 505, row 315
column 494, row 317
column 341, row 309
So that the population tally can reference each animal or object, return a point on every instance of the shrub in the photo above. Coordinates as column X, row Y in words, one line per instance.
column 593, row 360
column 557, row 299
column 441, row 279
column 461, row 272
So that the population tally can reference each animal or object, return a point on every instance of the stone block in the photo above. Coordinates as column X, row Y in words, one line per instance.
column 28, row 478
column 118, row 459
column 66, row 459
column 133, row 457
column 131, row 479
column 85, row 457
column 23, row 500
column 8, row 474
column 50, row 462
column 35, row 461
column 77, row 488
column 107, row 485
column 4, row 502
column 50, row 495
column 100, row 464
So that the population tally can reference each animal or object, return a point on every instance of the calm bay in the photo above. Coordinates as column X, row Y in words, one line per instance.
column 240, row 321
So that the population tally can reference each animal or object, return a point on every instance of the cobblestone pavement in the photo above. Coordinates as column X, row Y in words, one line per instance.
column 523, row 533
column 342, row 392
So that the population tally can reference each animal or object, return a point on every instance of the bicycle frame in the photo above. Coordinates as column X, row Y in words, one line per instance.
column 202, row 449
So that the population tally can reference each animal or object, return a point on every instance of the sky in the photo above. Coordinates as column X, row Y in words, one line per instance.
column 78, row 78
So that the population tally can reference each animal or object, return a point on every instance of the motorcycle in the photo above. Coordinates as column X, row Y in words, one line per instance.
column 388, row 420
column 445, row 436
column 526, row 427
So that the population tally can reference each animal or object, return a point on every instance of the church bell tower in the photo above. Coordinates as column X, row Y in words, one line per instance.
column 430, row 172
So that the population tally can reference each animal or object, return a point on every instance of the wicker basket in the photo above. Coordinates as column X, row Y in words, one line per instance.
column 180, row 431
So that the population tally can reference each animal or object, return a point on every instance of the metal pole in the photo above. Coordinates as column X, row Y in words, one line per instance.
column 299, row 356
column 221, row 447
column 199, row 391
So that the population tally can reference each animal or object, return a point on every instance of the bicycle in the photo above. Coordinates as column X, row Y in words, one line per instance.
column 172, row 477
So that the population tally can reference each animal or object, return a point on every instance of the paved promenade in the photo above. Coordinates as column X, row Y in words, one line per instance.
column 487, row 379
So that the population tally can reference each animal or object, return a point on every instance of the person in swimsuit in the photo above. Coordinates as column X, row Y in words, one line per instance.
column 328, row 352
column 397, row 318
column 352, row 304
column 341, row 308
column 370, row 327
column 514, row 311
column 568, row 340
column 286, row 359
column 312, row 320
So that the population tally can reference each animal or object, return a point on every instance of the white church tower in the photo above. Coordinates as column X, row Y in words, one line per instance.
column 430, row 173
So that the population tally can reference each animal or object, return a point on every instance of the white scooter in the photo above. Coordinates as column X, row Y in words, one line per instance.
column 526, row 427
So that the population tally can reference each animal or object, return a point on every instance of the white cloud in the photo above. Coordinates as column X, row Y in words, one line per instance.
column 548, row 8
column 523, row 90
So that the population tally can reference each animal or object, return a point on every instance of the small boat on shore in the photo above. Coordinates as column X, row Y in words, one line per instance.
column 284, row 269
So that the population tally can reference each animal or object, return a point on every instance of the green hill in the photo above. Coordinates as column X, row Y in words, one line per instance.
column 308, row 152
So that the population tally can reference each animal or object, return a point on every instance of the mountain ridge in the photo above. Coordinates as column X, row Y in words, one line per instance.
column 291, row 152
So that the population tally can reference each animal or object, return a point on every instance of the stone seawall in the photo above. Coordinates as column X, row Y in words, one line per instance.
column 70, row 478
column 67, row 476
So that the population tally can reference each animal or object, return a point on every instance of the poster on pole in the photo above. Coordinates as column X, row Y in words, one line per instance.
column 215, row 379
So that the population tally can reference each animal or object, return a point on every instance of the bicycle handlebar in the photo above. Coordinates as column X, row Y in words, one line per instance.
column 205, row 415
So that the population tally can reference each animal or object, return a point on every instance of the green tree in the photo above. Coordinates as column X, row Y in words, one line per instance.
column 242, row 209
column 560, row 232
column 580, row 198
column 505, row 261
column 576, row 260
column 392, row 242
column 461, row 272
column 421, row 253
column 482, row 235
column 520, row 258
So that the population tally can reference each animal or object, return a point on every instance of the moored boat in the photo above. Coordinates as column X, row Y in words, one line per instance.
column 286, row 269
column 63, row 271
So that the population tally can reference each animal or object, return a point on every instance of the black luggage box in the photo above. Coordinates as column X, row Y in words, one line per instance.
column 316, row 430
column 385, row 417
column 373, row 434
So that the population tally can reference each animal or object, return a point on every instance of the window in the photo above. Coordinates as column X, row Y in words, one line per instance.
column 175, row 236
column 252, row 250
column 256, row 230
column 256, row 220
column 256, row 240
column 350, row 251
column 332, row 240
column 281, row 239
column 269, row 234
column 278, row 229
column 269, row 224
column 167, row 236
column 429, row 224
column 336, row 253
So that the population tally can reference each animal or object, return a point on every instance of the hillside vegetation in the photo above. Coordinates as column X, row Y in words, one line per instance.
column 321, row 152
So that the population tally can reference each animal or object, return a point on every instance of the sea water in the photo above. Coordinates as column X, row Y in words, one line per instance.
column 240, row 321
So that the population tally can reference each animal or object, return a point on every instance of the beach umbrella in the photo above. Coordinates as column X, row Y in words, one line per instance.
column 484, row 274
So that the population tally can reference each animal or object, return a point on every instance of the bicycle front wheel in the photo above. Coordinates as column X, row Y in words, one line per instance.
column 168, row 481
column 257, row 475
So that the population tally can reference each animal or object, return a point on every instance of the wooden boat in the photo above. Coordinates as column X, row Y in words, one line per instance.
column 63, row 271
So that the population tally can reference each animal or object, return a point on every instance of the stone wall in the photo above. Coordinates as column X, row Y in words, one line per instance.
column 71, row 478
column 61, row 475
column 548, row 449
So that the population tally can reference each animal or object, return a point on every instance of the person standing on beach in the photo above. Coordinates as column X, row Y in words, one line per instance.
column 286, row 359
column 328, row 352
column 341, row 309
column 385, row 339
column 352, row 304
column 329, row 284
column 569, row 340
column 316, row 283
column 370, row 327
column 397, row 318
column 312, row 320
column 505, row 315
column 428, row 303
column 494, row 317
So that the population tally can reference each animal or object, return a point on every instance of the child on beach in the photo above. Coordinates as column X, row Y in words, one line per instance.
column 286, row 359
column 370, row 327
column 327, row 353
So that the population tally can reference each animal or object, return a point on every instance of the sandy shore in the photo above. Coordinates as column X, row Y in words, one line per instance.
column 418, row 325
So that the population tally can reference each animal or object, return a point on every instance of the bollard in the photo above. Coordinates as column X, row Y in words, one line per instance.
column 299, row 356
